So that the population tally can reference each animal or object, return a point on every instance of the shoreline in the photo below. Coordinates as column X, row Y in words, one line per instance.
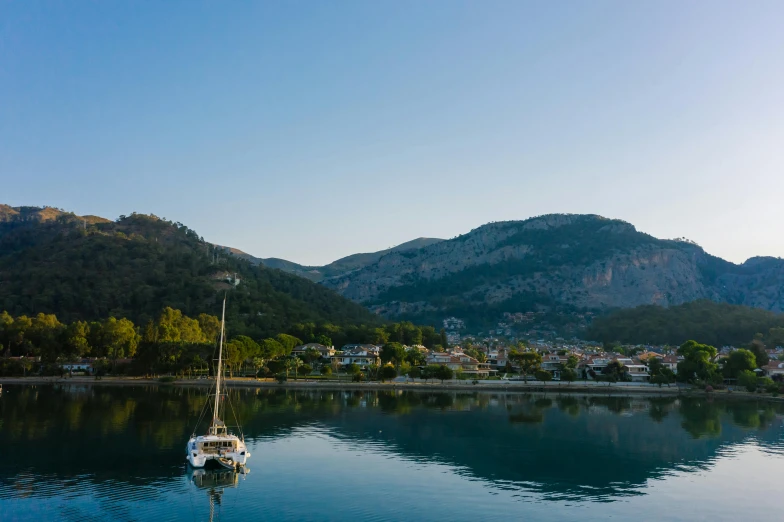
column 502, row 387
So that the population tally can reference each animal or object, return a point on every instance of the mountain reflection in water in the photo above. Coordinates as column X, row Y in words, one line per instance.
column 104, row 451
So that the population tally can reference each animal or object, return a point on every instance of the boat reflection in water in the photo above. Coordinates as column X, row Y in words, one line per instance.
column 215, row 481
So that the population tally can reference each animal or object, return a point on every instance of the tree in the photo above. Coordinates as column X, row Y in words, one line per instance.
column 543, row 375
column 415, row 357
column 528, row 361
column 476, row 354
column 270, row 348
column 295, row 363
column 44, row 335
column 568, row 375
column 757, row 347
column 654, row 365
column 6, row 335
column 353, row 369
column 615, row 371
column 287, row 342
column 326, row 370
column 311, row 355
column 572, row 361
column 307, row 369
column 698, row 361
column 443, row 373
column 663, row 376
column 379, row 336
column 393, row 353
column 278, row 366
column 508, row 368
column 210, row 327
column 387, row 372
column 76, row 339
column 444, row 342
column 775, row 337
column 415, row 372
column 323, row 339
column 748, row 379
column 232, row 355
column 119, row 338
column 430, row 371
column 737, row 362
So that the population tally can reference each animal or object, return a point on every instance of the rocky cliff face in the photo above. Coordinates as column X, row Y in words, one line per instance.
column 575, row 260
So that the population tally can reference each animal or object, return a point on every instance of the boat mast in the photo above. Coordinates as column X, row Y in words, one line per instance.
column 220, row 362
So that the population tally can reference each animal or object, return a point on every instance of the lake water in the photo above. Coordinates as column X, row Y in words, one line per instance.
column 116, row 453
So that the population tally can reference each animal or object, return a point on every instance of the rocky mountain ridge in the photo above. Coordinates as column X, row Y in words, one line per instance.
column 576, row 261
column 336, row 268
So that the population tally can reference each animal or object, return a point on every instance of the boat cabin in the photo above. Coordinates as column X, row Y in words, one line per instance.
column 217, row 446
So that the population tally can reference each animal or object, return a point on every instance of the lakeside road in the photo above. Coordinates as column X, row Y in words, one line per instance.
column 581, row 387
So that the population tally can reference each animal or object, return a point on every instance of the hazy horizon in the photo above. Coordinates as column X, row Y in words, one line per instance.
column 313, row 131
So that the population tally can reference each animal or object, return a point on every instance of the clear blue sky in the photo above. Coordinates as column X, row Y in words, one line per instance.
column 312, row 130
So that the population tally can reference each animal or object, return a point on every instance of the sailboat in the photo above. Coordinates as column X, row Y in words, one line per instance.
column 218, row 446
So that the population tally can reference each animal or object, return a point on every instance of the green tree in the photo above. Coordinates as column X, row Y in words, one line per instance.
column 393, row 353
column 295, row 363
column 654, row 365
column 323, row 339
column 326, row 370
column 748, row 379
column 44, row 335
column 737, row 362
column 698, row 361
column 270, row 348
column 415, row 357
column 209, row 326
column 430, row 371
column 775, row 337
column 443, row 373
column 119, row 338
column 568, row 375
column 615, row 371
column 232, row 356
column 287, row 342
column 757, row 347
column 76, row 339
column 543, row 375
column 387, row 372
column 527, row 361
column 6, row 330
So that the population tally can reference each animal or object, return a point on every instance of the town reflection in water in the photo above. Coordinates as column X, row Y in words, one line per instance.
column 558, row 447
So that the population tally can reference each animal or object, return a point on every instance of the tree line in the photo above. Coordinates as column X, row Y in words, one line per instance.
column 172, row 342
column 717, row 324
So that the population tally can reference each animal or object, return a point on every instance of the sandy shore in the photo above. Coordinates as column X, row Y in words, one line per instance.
column 501, row 386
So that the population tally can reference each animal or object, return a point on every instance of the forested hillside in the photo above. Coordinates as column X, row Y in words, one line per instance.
column 54, row 262
column 717, row 324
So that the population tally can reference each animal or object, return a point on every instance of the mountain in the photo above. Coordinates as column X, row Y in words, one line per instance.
column 85, row 268
column 557, row 261
column 337, row 268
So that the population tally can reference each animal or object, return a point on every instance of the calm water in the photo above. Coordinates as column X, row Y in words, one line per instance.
column 99, row 453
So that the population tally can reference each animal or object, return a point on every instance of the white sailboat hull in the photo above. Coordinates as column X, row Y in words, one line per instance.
column 225, row 450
